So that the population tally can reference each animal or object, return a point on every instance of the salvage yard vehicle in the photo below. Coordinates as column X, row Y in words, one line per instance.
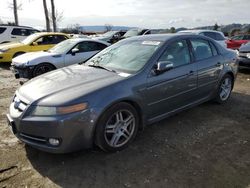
column 134, row 32
column 111, row 36
column 236, row 41
column 128, row 85
column 244, row 56
column 216, row 35
column 34, row 42
column 9, row 33
column 65, row 53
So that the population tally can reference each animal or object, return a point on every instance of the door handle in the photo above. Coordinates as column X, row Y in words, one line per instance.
column 13, row 37
column 218, row 64
column 191, row 73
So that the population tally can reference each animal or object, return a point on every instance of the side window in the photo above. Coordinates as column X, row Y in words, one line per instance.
column 31, row 31
column 58, row 38
column 20, row 32
column 219, row 36
column 201, row 48
column 177, row 52
column 45, row 40
column 210, row 35
column 90, row 46
column 2, row 29
column 214, row 50
column 246, row 37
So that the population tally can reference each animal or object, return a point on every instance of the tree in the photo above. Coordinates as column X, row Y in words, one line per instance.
column 15, row 7
column 46, row 13
column 108, row 27
column 172, row 30
column 53, row 15
column 234, row 31
column 216, row 27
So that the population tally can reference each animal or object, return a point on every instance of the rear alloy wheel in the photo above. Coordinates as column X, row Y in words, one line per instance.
column 117, row 127
column 42, row 68
column 225, row 89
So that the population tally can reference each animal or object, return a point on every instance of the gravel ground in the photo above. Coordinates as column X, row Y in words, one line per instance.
column 206, row 146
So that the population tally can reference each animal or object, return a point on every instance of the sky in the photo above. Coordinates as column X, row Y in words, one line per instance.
column 134, row 13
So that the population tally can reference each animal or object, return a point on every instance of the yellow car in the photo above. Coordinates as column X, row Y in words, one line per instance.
column 35, row 42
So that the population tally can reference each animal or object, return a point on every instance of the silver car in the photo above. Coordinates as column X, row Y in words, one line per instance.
column 128, row 85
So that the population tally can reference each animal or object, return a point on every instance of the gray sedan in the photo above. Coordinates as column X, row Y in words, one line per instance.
column 106, row 101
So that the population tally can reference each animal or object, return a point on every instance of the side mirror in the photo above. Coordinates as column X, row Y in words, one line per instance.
column 74, row 51
column 163, row 66
column 34, row 43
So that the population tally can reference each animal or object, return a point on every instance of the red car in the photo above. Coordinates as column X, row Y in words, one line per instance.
column 236, row 41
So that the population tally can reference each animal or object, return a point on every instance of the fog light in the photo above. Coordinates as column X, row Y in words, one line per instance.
column 54, row 141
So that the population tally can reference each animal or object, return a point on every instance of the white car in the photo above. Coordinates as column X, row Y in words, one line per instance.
column 216, row 35
column 15, row 33
column 66, row 53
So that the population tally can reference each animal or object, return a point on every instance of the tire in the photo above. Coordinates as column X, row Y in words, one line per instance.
column 117, row 127
column 17, row 54
column 42, row 68
column 225, row 89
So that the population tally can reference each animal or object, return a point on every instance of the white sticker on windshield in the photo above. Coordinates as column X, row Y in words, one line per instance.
column 123, row 74
column 154, row 43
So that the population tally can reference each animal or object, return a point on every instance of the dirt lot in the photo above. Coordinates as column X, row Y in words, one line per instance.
column 207, row 146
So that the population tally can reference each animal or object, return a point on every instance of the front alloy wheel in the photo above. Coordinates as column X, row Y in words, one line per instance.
column 225, row 89
column 117, row 127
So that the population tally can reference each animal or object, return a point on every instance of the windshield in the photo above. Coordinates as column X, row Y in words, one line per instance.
column 109, row 34
column 63, row 47
column 30, row 39
column 128, row 57
column 131, row 33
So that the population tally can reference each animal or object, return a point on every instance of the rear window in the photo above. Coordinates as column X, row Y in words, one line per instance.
column 210, row 35
column 2, row 29
column 219, row 36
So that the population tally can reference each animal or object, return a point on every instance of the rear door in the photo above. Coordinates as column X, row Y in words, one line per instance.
column 209, row 65
column 86, row 50
column 175, row 88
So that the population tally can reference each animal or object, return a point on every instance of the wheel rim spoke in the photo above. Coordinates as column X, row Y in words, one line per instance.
column 119, row 128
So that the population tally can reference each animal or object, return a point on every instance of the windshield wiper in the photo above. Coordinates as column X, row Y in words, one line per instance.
column 101, row 67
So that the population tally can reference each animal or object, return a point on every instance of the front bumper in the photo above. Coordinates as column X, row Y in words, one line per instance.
column 244, row 62
column 5, row 57
column 22, row 72
column 74, row 131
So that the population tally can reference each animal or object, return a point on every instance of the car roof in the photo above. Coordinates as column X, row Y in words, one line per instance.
column 199, row 31
column 88, row 39
column 19, row 26
column 164, row 37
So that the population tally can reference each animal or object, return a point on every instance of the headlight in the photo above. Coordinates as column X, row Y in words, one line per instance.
column 4, row 50
column 50, row 111
column 248, row 55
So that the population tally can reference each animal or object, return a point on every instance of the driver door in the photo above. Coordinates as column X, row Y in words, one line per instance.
column 175, row 88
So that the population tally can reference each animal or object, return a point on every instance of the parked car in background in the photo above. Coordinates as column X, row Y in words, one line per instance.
column 34, row 42
column 244, row 55
column 236, row 41
column 134, row 32
column 154, row 31
column 216, row 35
column 110, row 36
column 78, row 36
column 134, row 82
column 66, row 53
column 15, row 33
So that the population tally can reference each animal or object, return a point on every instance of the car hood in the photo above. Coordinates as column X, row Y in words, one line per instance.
column 24, row 58
column 65, row 85
column 11, row 45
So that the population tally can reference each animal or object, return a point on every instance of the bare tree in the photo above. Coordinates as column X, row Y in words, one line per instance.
column 46, row 13
column 15, row 7
column 108, row 27
column 53, row 15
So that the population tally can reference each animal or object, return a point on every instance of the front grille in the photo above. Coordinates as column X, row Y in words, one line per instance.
column 18, row 104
